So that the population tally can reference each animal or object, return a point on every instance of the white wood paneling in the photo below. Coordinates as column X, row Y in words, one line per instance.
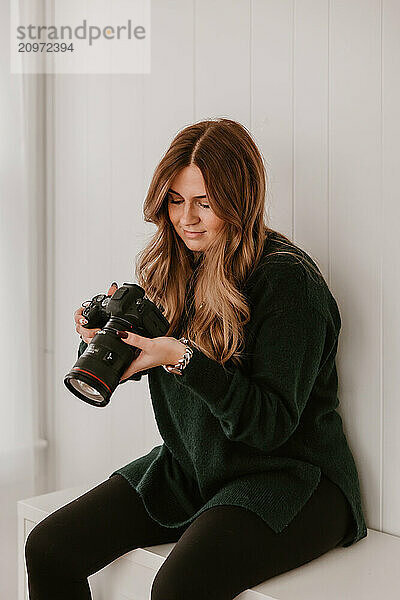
column 222, row 60
column 355, row 209
column 310, row 129
column 72, row 265
column 389, row 243
column 317, row 84
column 272, row 103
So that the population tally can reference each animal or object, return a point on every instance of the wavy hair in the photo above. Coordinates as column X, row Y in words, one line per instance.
column 202, row 293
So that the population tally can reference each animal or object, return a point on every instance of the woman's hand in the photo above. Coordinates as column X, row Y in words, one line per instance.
column 154, row 352
column 88, row 334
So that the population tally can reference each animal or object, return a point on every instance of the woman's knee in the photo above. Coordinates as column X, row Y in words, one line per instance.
column 40, row 548
column 47, row 551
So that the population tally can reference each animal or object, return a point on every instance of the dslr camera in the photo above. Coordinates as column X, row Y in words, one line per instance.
column 97, row 372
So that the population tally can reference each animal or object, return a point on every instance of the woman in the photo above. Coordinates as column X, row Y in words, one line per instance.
column 254, row 476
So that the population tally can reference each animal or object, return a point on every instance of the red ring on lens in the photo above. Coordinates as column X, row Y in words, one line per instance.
column 91, row 374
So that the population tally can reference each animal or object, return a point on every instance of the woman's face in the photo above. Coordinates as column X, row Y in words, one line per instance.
column 189, row 210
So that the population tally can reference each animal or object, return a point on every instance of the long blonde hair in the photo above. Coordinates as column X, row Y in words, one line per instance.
column 214, row 314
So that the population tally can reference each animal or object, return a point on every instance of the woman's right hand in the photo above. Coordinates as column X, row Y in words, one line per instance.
column 88, row 334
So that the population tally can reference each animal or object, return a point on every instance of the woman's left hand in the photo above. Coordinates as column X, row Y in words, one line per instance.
column 154, row 352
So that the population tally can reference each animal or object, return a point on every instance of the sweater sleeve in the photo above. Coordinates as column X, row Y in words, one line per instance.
column 261, row 405
column 82, row 347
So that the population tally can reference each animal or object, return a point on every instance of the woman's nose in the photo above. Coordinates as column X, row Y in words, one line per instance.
column 189, row 214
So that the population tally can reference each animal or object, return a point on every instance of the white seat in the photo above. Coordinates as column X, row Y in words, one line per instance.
column 368, row 570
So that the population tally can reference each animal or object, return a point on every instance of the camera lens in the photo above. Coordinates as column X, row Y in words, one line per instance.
column 86, row 386
column 98, row 370
column 87, row 390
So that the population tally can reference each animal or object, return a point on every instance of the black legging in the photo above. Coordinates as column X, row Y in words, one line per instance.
column 224, row 551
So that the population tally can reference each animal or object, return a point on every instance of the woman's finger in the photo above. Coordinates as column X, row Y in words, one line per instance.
column 83, row 330
column 78, row 314
column 88, row 338
column 113, row 288
column 134, row 339
column 154, row 352
column 86, row 332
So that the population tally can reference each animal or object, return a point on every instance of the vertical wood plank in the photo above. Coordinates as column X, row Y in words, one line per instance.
column 390, row 245
column 272, row 102
column 311, row 109
column 71, row 265
column 356, row 205
column 222, row 60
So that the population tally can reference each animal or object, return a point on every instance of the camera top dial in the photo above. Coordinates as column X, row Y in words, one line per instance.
column 95, row 311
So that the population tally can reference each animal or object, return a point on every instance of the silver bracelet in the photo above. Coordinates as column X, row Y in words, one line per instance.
column 182, row 362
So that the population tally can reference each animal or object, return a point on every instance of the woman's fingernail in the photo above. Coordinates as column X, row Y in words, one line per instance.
column 122, row 334
column 83, row 321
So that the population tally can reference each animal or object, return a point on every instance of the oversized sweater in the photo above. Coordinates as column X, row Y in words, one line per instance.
column 259, row 435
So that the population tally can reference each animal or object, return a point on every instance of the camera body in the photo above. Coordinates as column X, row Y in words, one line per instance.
column 98, row 370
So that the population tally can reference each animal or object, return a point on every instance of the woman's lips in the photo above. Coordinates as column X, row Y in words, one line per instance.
column 193, row 234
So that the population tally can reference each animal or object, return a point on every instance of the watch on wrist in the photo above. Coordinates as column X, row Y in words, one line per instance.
column 182, row 362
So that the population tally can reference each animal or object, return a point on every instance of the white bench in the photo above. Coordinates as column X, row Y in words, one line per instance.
column 369, row 570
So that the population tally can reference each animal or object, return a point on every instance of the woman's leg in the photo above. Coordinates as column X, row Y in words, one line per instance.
column 84, row 536
column 229, row 549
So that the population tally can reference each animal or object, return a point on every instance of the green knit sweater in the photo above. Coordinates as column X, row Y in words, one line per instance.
column 256, row 436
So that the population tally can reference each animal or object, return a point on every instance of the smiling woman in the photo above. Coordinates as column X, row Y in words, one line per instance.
column 193, row 219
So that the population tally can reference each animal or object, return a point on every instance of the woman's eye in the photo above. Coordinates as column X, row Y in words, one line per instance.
column 172, row 201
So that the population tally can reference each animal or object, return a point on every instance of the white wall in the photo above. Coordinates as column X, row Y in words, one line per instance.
column 317, row 83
